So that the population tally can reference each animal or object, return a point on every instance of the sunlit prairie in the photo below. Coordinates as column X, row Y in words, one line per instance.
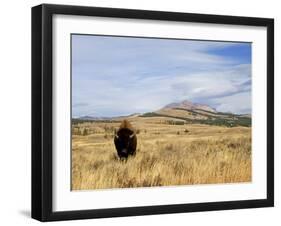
column 167, row 154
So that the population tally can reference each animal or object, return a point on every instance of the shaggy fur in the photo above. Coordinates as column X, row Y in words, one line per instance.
column 125, row 140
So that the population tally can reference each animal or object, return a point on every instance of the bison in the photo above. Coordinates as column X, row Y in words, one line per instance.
column 125, row 140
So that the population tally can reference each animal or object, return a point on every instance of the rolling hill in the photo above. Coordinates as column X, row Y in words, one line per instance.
column 184, row 112
column 201, row 114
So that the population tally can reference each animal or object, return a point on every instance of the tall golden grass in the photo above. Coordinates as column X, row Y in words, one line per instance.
column 170, row 155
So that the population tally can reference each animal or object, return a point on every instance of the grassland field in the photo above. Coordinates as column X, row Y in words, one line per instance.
column 167, row 154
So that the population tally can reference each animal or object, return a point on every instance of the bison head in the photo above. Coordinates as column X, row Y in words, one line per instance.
column 125, row 140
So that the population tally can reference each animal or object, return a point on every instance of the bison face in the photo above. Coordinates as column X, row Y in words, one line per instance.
column 125, row 142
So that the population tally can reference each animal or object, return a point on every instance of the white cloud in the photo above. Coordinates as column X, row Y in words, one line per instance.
column 236, row 103
column 124, row 76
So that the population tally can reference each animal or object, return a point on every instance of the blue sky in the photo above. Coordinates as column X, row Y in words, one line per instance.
column 114, row 76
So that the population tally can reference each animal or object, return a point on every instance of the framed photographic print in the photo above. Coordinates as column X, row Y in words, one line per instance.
column 140, row 112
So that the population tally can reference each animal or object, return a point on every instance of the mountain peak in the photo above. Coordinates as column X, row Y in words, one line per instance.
column 188, row 105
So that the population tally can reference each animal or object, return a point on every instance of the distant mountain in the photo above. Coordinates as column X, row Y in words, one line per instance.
column 89, row 118
column 184, row 112
column 188, row 105
column 189, row 112
column 116, row 118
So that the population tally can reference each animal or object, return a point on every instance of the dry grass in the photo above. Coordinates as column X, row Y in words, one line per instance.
column 166, row 155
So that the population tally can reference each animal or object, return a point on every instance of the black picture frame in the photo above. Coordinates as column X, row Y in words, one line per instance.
column 42, row 111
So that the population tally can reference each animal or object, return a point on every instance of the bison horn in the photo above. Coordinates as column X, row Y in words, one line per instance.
column 131, row 136
column 116, row 136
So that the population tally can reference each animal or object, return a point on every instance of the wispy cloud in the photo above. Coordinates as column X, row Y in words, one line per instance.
column 118, row 76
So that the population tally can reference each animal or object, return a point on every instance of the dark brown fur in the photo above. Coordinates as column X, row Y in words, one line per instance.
column 125, row 140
